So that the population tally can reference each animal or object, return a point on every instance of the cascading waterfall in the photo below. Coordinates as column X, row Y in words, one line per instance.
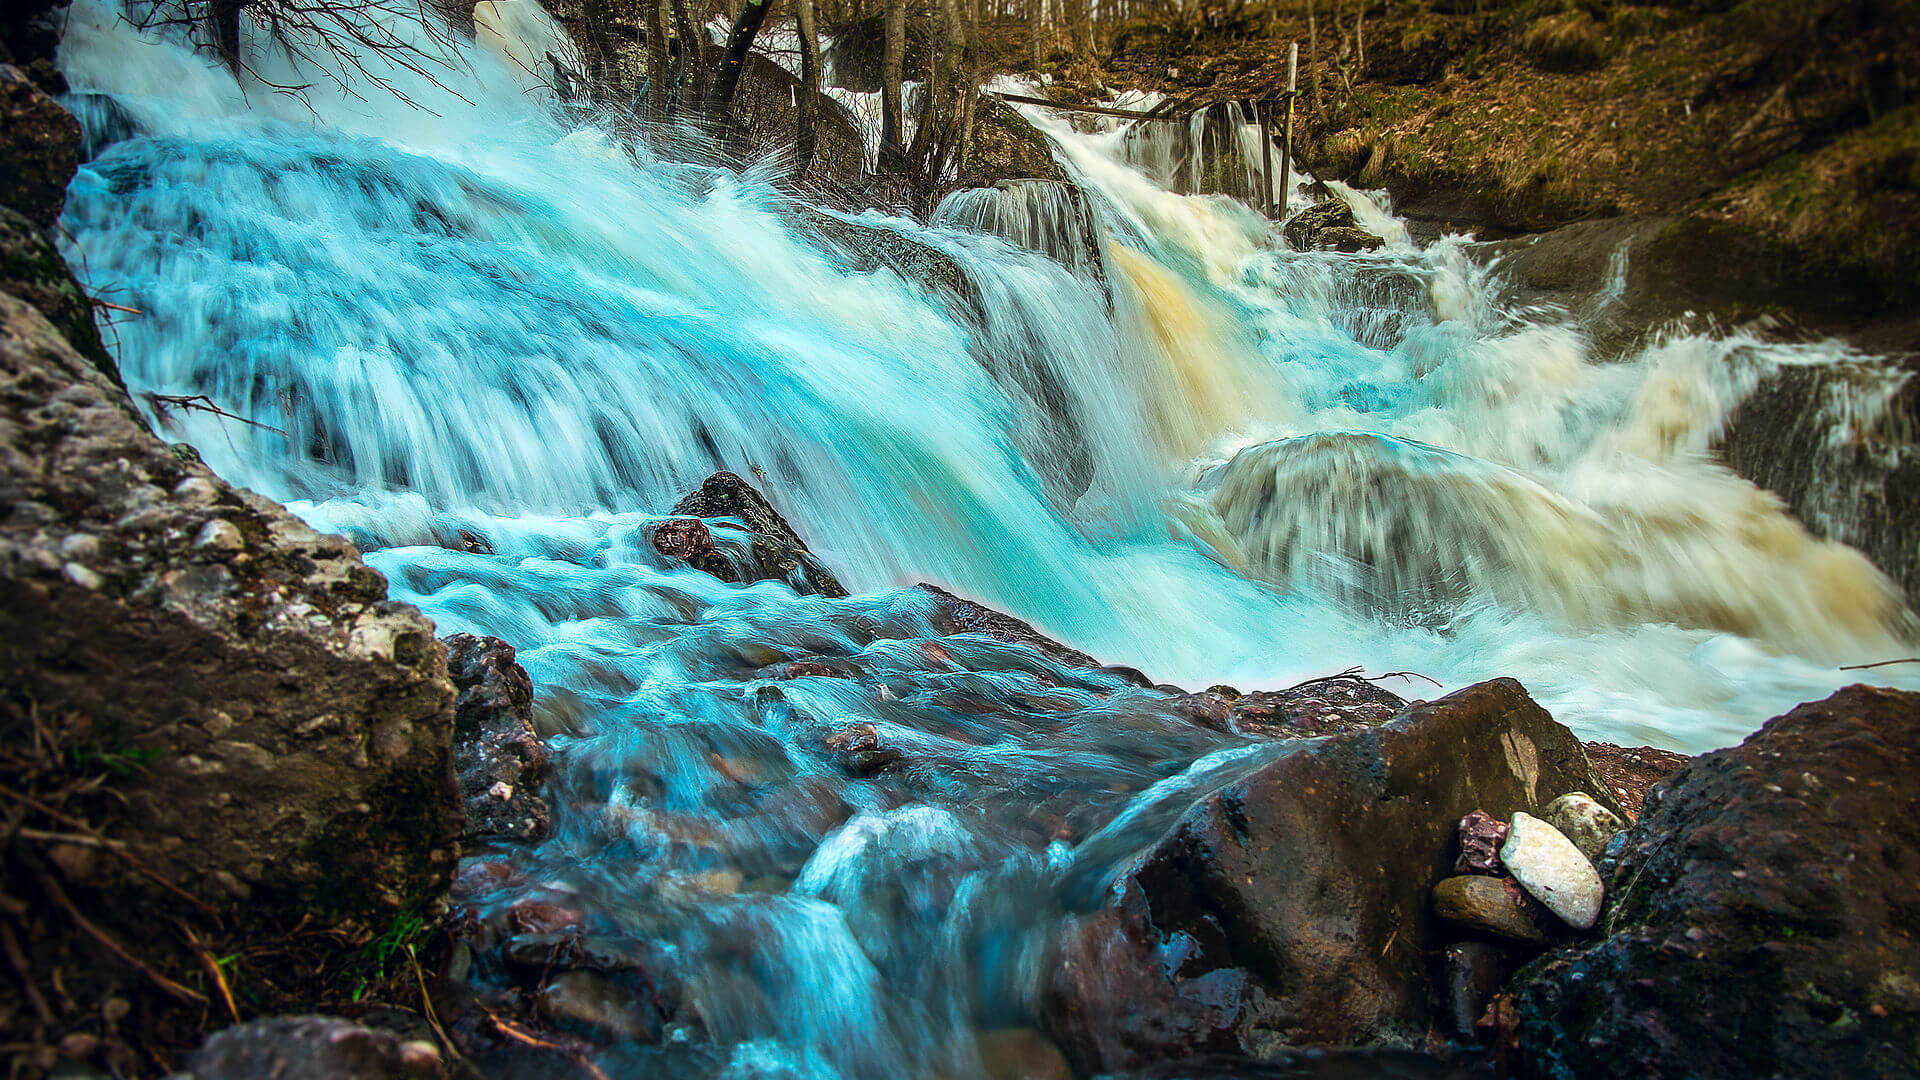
column 481, row 317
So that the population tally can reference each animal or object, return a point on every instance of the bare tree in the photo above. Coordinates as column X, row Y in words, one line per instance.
column 892, row 61
column 809, row 85
column 658, row 13
column 746, row 27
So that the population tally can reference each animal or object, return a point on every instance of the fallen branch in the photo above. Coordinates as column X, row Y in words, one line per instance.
column 18, row 958
column 163, row 403
column 1354, row 674
column 1880, row 663
column 111, row 306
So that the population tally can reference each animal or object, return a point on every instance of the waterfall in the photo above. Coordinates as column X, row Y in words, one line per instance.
column 481, row 315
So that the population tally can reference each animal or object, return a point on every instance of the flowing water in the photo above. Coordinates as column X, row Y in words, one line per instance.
column 1190, row 451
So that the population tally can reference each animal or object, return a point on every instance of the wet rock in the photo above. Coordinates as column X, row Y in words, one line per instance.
column 1472, row 978
column 312, row 1048
column 958, row 615
column 1550, row 867
column 859, row 750
column 1021, row 1054
column 270, row 733
column 1583, row 821
column 1481, row 835
column 501, row 760
column 1322, row 707
column 683, row 538
column 1762, row 914
column 598, row 1007
column 772, row 551
column 1840, row 444
column 1291, row 907
column 1328, row 225
column 39, row 148
column 32, row 270
column 1496, row 906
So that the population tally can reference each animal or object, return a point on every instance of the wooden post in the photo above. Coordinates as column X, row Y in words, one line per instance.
column 1286, row 148
column 1266, row 156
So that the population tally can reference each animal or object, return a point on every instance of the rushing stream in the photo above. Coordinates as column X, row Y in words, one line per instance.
column 1201, row 455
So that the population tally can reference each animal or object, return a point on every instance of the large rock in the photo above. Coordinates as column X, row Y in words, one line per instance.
column 39, row 148
column 223, row 693
column 1292, row 908
column 1328, row 225
column 1840, row 443
column 501, row 760
column 767, row 550
column 1763, row 914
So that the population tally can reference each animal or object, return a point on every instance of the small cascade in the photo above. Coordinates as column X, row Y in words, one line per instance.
column 1046, row 216
column 1216, row 151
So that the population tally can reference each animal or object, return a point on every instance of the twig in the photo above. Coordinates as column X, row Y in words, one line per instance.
column 433, row 1019
column 1881, row 663
column 66, row 838
column 201, row 403
column 111, row 306
column 18, row 959
column 1354, row 673
column 59, row 897
column 518, row 1034
column 118, row 849
column 213, row 969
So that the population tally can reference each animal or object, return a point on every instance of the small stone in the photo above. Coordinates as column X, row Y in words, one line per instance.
column 219, row 535
column 1473, row 975
column 81, row 576
column 1549, row 866
column 1481, row 835
column 1490, row 905
column 1581, row 819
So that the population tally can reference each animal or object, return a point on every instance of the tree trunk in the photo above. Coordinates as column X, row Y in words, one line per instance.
column 657, row 77
column 1313, row 50
column 969, row 104
column 1360, row 41
column 739, row 44
column 809, row 86
column 1037, row 26
column 690, row 69
column 890, row 75
column 1081, row 12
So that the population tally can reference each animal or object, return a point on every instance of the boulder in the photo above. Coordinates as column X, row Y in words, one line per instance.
column 312, row 1048
column 1554, row 871
column 39, row 148
column 1291, row 908
column 1328, row 225
column 500, row 759
column 1762, row 917
column 223, row 694
column 1840, row 445
column 769, row 550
